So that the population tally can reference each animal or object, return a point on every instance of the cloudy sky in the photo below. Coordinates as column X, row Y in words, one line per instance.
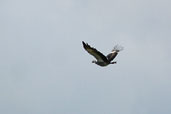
column 45, row 70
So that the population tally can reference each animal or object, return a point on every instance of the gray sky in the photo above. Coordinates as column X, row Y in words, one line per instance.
column 45, row 70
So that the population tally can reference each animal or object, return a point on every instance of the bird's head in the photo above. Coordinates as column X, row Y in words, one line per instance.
column 94, row 61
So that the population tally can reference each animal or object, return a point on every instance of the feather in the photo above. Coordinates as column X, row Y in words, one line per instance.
column 114, row 52
column 94, row 52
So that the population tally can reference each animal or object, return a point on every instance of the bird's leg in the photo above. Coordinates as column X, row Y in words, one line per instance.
column 113, row 62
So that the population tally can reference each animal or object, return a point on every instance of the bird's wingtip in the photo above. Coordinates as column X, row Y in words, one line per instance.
column 84, row 45
column 118, row 48
column 83, row 42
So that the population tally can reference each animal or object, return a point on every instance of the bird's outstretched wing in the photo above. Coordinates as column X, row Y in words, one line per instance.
column 112, row 55
column 98, row 55
column 114, row 52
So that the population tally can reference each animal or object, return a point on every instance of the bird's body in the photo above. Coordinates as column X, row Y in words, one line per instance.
column 101, row 63
column 101, row 59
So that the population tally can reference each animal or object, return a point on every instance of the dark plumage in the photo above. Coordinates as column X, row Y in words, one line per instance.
column 102, row 60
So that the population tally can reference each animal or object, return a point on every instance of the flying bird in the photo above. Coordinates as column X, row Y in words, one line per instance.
column 101, row 59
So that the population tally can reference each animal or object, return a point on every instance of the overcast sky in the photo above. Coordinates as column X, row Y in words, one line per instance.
column 45, row 70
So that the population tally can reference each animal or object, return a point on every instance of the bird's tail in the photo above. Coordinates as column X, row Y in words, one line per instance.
column 117, row 48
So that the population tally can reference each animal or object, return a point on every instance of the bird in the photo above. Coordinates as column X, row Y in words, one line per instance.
column 101, row 59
